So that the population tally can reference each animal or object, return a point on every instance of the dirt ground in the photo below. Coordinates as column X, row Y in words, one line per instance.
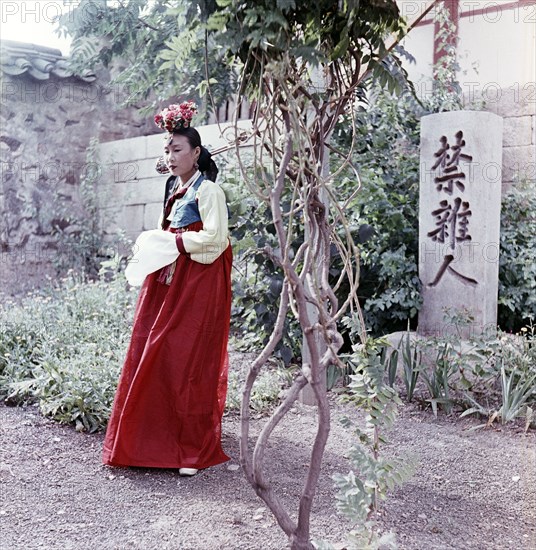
column 472, row 489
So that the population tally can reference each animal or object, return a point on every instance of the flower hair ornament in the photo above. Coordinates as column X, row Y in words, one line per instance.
column 176, row 116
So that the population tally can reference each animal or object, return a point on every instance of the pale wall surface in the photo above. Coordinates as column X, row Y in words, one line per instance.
column 495, row 49
column 133, row 202
column 501, row 47
column 497, row 57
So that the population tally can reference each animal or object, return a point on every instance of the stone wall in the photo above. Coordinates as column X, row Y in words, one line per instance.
column 141, row 194
column 45, row 129
column 132, row 194
column 517, row 106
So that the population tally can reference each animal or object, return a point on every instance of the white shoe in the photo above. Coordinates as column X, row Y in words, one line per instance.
column 189, row 472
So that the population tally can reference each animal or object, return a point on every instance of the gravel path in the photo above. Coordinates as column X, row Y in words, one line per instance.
column 472, row 490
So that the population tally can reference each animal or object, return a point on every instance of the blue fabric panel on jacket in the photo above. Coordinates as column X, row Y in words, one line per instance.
column 187, row 210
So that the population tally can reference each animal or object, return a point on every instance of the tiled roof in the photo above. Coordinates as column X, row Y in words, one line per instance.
column 40, row 62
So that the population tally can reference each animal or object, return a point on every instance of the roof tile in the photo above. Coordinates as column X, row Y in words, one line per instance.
column 40, row 62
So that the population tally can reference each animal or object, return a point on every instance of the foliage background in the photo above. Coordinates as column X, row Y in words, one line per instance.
column 46, row 342
column 142, row 40
column 384, row 222
column 138, row 41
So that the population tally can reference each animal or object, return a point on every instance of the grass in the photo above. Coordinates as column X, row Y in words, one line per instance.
column 63, row 347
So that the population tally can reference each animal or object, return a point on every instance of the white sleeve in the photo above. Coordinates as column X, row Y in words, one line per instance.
column 207, row 245
column 153, row 250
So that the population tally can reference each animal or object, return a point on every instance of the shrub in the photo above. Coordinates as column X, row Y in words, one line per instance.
column 257, row 281
column 267, row 390
column 63, row 347
column 491, row 374
column 517, row 261
column 386, row 156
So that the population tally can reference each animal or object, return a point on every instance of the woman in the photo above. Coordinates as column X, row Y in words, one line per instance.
column 171, row 395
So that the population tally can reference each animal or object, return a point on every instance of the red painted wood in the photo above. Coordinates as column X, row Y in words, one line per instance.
column 489, row 8
column 453, row 9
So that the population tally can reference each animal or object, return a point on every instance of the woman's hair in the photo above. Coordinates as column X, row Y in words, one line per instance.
column 206, row 165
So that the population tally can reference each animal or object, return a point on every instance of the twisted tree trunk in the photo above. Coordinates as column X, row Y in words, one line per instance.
column 292, row 126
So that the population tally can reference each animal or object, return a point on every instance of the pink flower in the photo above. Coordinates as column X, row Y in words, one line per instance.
column 176, row 116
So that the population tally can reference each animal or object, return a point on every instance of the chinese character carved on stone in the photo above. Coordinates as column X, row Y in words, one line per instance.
column 448, row 166
column 452, row 216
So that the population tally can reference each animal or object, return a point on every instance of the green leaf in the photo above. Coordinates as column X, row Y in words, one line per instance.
column 341, row 48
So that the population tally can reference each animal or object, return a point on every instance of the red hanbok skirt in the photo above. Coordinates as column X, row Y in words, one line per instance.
column 171, row 394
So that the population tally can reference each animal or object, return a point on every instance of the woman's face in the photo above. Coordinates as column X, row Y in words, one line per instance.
column 180, row 158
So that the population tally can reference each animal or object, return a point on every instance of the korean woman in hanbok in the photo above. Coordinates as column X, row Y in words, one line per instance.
column 170, row 399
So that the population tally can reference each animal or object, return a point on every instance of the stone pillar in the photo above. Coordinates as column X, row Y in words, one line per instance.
column 459, row 218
